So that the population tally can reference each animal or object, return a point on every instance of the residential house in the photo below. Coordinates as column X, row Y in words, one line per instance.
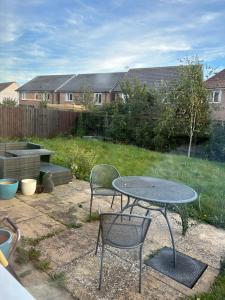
column 100, row 88
column 216, row 86
column 8, row 90
column 42, row 88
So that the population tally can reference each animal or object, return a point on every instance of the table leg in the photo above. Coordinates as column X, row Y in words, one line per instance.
column 164, row 213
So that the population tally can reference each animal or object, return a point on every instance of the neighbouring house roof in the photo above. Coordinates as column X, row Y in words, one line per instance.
column 96, row 82
column 48, row 83
column 152, row 77
column 4, row 85
column 216, row 81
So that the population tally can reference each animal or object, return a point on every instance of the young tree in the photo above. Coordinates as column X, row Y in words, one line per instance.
column 187, row 109
column 87, row 95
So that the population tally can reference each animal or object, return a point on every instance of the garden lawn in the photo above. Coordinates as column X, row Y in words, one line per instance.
column 206, row 177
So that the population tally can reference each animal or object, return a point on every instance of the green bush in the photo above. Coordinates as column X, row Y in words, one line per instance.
column 81, row 162
column 9, row 102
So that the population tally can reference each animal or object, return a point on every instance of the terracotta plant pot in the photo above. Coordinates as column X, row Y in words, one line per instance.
column 28, row 186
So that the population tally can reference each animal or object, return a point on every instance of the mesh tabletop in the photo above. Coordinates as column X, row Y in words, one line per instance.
column 154, row 189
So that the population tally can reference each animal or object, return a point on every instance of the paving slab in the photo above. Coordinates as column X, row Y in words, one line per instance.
column 120, row 280
column 19, row 212
column 205, row 243
column 66, row 247
column 39, row 285
column 39, row 226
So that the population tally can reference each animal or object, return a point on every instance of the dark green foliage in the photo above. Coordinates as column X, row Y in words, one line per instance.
column 8, row 102
column 129, row 121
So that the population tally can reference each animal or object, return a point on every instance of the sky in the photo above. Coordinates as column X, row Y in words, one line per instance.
column 39, row 37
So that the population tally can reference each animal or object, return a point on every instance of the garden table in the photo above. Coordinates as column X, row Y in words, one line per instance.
column 156, row 191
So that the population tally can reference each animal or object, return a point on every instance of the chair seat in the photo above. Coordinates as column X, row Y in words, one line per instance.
column 105, row 192
column 120, row 237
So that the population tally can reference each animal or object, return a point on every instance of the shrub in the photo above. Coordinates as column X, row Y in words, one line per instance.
column 81, row 162
column 9, row 102
column 43, row 104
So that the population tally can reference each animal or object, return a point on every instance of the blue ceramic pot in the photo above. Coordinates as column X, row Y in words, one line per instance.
column 8, row 188
column 6, row 239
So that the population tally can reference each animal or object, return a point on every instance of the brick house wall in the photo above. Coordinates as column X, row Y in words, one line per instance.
column 218, row 109
column 33, row 98
column 9, row 92
column 106, row 97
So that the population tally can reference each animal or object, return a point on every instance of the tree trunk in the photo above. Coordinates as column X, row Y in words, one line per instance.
column 190, row 144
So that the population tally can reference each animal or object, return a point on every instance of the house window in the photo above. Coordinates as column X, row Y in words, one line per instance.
column 48, row 96
column 23, row 96
column 216, row 96
column 98, row 98
column 70, row 97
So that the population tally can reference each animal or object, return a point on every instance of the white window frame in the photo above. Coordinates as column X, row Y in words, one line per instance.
column 68, row 97
column 23, row 96
column 98, row 98
column 213, row 96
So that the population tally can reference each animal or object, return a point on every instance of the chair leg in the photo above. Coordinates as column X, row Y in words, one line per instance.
column 96, row 250
column 140, row 274
column 101, row 268
column 91, row 206
column 112, row 201
column 121, row 201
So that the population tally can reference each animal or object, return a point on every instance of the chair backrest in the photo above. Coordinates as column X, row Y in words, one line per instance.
column 103, row 176
column 123, row 230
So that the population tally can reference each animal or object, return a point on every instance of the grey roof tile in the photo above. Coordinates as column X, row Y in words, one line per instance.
column 152, row 77
column 4, row 85
column 96, row 82
column 48, row 83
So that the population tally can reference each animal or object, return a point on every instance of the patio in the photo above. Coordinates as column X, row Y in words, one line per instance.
column 51, row 217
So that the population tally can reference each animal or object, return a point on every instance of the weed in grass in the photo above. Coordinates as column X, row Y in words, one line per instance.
column 35, row 242
column 42, row 265
column 22, row 256
column 34, row 254
column 74, row 225
column 94, row 217
column 58, row 279
column 151, row 255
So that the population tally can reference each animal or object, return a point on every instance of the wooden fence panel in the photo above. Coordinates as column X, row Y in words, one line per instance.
column 29, row 121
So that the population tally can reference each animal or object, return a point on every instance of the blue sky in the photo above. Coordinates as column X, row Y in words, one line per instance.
column 82, row 36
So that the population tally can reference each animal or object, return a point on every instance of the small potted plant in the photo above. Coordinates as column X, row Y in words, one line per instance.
column 8, row 188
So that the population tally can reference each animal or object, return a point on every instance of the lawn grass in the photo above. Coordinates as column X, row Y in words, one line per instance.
column 207, row 177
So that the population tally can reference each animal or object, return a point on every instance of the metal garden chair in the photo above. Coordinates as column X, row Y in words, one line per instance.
column 125, row 231
column 101, row 179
